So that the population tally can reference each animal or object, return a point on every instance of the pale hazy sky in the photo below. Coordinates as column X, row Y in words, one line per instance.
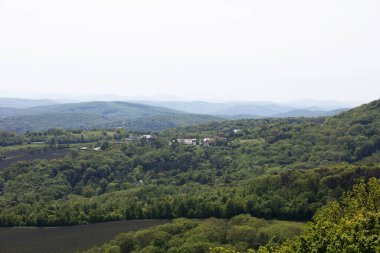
column 200, row 49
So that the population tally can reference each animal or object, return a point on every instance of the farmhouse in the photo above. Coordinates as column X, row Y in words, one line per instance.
column 207, row 142
column 236, row 131
column 132, row 138
column 187, row 141
column 148, row 137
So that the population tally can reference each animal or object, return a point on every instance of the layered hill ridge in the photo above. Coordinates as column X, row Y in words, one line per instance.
column 158, row 116
column 98, row 114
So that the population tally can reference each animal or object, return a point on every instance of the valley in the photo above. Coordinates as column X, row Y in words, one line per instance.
column 189, row 126
column 267, row 168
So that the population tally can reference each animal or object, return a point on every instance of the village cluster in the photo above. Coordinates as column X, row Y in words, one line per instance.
column 148, row 138
column 190, row 141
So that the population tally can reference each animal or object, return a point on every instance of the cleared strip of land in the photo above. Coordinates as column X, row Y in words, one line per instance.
column 20, row 156
column 67, row 239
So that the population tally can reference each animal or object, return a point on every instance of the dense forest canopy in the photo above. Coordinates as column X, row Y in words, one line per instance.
column 184, row 235
column 351, row 224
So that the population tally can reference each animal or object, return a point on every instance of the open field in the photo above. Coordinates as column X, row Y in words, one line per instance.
column 21, row 156
column 66, row 239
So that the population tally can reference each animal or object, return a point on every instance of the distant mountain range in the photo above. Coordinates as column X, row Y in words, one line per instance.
column 309, row 113
column 235, row 110
column 33, row 115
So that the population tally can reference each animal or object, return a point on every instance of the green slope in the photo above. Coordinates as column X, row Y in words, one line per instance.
column 109, row 109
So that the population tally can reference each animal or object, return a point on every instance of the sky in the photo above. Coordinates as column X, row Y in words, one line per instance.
column 256, row 50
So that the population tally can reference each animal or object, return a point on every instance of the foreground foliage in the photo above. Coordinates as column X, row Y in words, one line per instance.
column 349, row 225
column 184, row 235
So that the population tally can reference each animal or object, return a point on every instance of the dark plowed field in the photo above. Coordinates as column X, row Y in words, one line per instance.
column 48, row 155
column 66, row 239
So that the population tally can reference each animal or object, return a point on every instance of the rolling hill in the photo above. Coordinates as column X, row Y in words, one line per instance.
column 145, row 115
column 109, row 109
column 90, row 115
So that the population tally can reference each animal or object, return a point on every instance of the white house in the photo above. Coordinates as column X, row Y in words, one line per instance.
column 207, row 141
column 187, row 141
column 236, row 131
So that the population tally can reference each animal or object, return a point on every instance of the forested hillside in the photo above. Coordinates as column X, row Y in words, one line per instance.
column 91, row 115
column 351, row 224
column 184, row 235
column 144, row 117
column 269, row 168
column 110, row 109
column 348, row 225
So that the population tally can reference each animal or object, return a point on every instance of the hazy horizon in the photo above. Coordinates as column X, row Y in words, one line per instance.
column 230, row 50
column 162, row 98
